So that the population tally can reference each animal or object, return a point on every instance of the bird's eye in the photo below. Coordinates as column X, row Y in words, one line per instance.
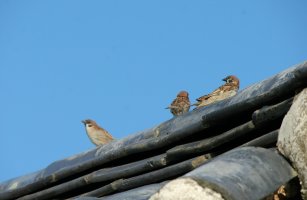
column 89, row 125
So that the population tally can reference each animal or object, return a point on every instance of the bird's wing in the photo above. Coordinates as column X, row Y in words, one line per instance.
column 109, row 135
column 218, row 91
column 173, row 104
column 105, row 136
column 207, row 96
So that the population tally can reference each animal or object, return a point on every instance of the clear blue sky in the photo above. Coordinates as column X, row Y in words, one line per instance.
column 122, row 62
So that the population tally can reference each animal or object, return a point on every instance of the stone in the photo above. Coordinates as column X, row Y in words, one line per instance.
column 185, row 189
column 292, row 138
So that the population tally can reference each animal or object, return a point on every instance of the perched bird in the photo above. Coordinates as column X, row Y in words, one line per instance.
column 229, row 89
column 181, row 104
column 97, row 135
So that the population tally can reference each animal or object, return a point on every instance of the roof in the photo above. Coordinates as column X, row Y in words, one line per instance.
column 150, row 158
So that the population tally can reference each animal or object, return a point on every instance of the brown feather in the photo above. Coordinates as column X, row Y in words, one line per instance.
column 97, row 134
column 181, row 104
column 232, row 84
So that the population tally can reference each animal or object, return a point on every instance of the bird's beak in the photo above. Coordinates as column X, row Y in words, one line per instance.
column 83, row 122
column 224, row 79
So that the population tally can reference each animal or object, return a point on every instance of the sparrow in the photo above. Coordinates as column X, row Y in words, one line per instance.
column 97, row 135
column 229, row 89
column 181, row 104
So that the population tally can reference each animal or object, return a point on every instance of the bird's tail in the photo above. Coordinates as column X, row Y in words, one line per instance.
column 195, row 104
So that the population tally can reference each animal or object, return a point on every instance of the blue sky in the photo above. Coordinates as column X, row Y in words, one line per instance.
column 122, row 62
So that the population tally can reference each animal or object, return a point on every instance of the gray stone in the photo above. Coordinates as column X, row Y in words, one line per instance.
column 292, row 137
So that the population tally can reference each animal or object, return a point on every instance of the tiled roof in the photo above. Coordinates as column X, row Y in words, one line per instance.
column 140, row 164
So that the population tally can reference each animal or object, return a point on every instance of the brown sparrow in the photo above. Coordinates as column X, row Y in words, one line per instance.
column 97, row 135
column 181, row 104
column 229, row 89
